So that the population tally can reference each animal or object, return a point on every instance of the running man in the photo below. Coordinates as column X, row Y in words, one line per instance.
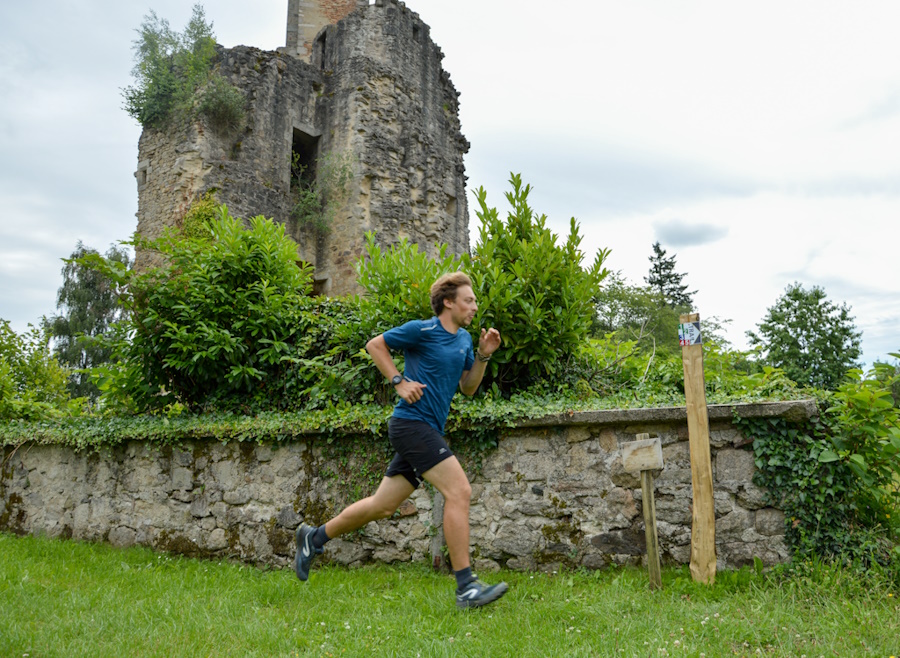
column 438, row 358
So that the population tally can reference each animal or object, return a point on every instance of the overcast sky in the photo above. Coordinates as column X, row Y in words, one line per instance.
column 758, row 141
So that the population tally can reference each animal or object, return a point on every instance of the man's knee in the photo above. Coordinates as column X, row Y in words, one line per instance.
column 459, row 493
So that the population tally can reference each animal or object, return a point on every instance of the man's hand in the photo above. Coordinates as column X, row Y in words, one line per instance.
column 488, row 342
column 410, row 391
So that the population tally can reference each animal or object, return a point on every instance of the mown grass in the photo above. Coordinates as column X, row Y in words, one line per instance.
column 68, row 598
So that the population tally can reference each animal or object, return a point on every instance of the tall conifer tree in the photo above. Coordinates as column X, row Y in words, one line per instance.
column 664, row 280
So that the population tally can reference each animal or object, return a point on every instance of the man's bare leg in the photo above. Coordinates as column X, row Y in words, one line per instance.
column 391, row 492
column 310, row 540
column 450, row 479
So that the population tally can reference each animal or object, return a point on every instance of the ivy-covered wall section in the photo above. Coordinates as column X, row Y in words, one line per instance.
column 552, row 494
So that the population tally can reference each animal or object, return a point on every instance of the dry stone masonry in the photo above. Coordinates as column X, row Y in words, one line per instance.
column 553, row 494
column 370, row 88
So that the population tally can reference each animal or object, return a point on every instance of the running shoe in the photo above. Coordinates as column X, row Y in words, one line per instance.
column 306, row 552
column 477, row 594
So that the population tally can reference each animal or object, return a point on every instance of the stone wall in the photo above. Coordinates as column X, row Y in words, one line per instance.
column 554, row 493
column 375, row 91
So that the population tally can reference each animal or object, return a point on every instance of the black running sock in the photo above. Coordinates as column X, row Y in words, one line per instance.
column 319, row 538
column 463, row 577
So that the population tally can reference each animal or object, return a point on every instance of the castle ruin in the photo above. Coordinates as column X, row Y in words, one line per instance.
column 360, row 80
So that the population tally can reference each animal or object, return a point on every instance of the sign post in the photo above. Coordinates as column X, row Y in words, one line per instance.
column 703, row 521
column 645, row 455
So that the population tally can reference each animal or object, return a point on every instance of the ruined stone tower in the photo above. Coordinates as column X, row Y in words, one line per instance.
column 368, row 85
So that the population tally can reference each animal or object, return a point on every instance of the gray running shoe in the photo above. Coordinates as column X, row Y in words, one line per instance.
column 305, row 550
column 477, row 594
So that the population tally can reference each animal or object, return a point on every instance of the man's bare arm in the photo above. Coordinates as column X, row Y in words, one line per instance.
column 381, row 355
column 487, row 345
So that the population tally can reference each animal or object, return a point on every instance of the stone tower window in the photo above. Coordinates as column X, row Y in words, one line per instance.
column 319, row 50
column 304, row 151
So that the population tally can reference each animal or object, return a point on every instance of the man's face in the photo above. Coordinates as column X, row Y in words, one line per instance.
column 463, row 308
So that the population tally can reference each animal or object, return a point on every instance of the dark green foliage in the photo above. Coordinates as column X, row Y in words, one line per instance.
column 88, row 305
column 666, row 282
column 173, row 76
column 864, row 427
column 32, row 383
column 532, row 290
column 219, row 325
column 397, row 282
column 835, row 477
column 812, row 339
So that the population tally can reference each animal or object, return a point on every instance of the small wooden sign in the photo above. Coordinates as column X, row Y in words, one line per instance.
column 645, row 455
column 642, row 455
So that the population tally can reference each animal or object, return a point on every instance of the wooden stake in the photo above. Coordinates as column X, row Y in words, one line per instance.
column 645, row 455
column 703, row 529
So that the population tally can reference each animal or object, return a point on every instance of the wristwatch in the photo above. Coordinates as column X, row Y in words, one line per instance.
column 396, row 379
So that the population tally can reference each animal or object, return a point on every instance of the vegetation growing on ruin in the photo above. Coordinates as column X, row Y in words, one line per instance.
column 316, row 199
column 174, row 77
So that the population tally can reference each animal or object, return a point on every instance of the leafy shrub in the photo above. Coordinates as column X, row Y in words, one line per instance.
column 219, row 324
column 836, row 477
column 533, row 290
column 864, row 428
column 221, row 104
column 397, row 281
column 200, row 216
column 637, row 313
column 33, row 385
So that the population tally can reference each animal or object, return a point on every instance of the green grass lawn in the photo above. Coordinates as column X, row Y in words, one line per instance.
column 67, row 598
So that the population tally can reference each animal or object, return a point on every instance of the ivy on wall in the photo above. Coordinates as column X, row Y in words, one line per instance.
column 837, row 477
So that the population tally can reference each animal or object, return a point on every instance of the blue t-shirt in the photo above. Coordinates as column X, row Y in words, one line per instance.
column 436, row 358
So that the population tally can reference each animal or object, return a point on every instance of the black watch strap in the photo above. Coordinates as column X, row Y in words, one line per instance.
column 396, row 379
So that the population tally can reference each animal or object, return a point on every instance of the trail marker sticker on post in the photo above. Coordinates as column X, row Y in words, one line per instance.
column 689, row 334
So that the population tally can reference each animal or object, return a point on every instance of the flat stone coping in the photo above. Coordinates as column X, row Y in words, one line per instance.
column 793, row 410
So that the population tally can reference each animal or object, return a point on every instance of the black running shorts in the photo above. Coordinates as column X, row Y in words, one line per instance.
column 419, row 448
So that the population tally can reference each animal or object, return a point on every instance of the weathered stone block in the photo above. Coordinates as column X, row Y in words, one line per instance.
column 511, row 540
column 239, row 496
column 770, row 522
column 121, row 537
column 732, row 526
column 217, row 540
column 621, row 542
column 734, row 466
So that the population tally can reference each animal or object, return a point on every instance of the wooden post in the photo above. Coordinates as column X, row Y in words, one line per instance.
column 703, row 528
column 645, row 455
